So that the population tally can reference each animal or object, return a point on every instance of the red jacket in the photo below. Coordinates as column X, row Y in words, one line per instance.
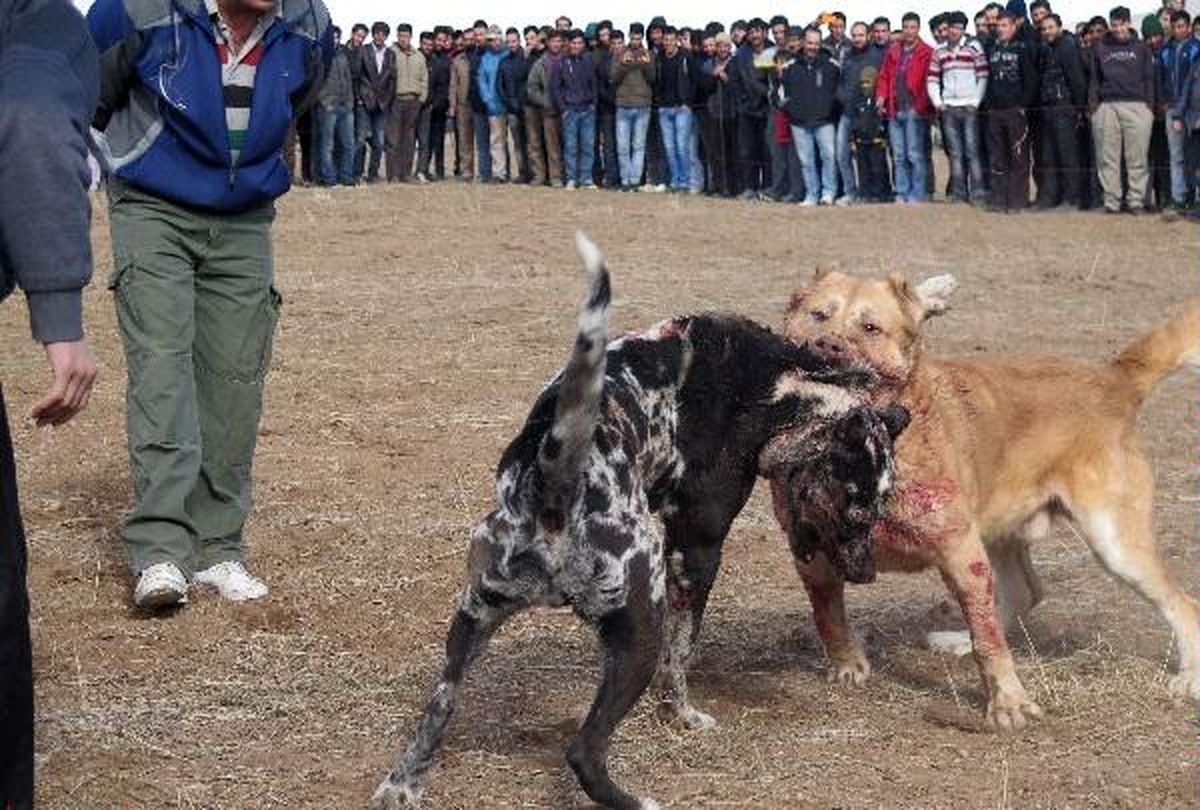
column 889, row 74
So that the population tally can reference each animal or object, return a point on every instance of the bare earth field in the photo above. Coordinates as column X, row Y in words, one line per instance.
column 419, row 325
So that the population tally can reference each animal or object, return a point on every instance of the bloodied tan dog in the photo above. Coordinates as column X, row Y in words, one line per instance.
column 999, row 449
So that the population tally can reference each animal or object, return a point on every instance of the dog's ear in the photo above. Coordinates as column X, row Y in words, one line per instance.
column 934, row 293
column 895, row 418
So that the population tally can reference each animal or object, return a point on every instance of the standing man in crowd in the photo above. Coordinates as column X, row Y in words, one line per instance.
column 673, row 89
column 958, row 76
column 1012, row 88
column 412, row 88
column 1175, row 64
column 543, row 109
column 514, row 78
column 903, row 97
column 753, row 110
column 1120, row 96
column 573, row 91
column 720, row 118
column 335, row 120
column 48, row 84
column 1063, row 98
column 859, row 55
column 358, row 35
column 460, row 108
column 607, row 169
column 376, row 91
column 191, row 202
column 808, row 89
column 431, row 157
column 487, row 85
column 633, row 82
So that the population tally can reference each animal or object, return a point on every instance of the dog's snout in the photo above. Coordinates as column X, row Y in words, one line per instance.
column 830, row 346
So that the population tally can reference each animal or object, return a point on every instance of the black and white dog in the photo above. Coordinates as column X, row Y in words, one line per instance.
column 669, row 421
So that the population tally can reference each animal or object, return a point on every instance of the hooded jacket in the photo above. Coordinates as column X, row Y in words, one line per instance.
column 1013, row 78
column 162, row 107
column 49, row 94
column 1062, row 78
column 1121, row 71
column 438, row 64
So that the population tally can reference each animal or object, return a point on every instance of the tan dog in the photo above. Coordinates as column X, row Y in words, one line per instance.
column 999, row 447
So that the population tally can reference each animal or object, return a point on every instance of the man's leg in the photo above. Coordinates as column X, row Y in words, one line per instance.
column 954, row 133
column 519, row 160
column 825, row 137
column 997, row 159
column 237, row 309
column 1063, row 123
column 552, row 130
column 437, row 141
column 570, row 137
column 155, row 248
column 1177, row 148
column 845, row 159
column 637, row 150
column 606, row 130
column 483, row 146
column 898, row 137
column 1018, row 191
column 917, row 136
column 464, row 126
column 1135, row 122
column 803, row 142
column 16, row 662
column 327, row 121
column 533, row 145
column 408, row 144
column 393, row 122
column 424, row 135
column 587, row 145
column 344, row 138
column 362, row 127
column 1107, row 134
column 378, row 143
column 625, row 118
column 498, row 144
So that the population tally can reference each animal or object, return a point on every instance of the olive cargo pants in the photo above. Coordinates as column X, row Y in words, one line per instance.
column 197, row 313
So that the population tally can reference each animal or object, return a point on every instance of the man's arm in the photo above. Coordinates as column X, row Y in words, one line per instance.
column 48, row 92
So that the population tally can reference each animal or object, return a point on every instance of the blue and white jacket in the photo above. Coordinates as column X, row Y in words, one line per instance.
column 162, row 107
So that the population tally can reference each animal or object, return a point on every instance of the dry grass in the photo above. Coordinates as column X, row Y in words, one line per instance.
column 418, row 327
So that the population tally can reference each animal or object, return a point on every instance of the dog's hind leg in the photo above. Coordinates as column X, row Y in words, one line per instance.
column 630, row 636
column 691, row 572
column 491, row 596
column 1117, row 523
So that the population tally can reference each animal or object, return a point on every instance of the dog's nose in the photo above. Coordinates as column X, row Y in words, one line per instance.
column 830, row 346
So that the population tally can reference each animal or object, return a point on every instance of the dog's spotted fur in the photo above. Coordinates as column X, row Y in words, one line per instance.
column 670, row 421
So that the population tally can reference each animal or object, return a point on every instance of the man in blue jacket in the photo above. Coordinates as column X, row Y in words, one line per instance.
column 1175, row 63
column 195, row 101
column 48, row 79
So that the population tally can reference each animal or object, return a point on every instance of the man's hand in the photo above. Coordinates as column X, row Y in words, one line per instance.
column 1178, row 124
column 74, row 368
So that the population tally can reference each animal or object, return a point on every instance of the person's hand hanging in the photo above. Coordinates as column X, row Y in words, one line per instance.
column 73, row 367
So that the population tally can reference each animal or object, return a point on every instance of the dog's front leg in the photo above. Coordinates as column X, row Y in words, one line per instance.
column 848, row 662
column 968, row 574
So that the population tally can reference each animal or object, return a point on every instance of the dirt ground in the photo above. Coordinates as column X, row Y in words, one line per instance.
column 419, row 325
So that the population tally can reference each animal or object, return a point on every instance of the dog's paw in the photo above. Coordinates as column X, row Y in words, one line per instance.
column 688, row 715
column 954, row 642
column 392, row 796
column 1186, row 685
column 1012, row 712
column 850, row 668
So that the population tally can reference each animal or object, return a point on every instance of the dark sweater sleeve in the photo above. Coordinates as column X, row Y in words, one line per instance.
column 48, row 90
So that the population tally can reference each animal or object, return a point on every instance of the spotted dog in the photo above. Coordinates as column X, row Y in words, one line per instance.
column 670, row 421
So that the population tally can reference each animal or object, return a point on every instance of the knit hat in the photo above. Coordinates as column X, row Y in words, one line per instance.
column 1017, row 7
column 657, row 22
column 591, row 32
column 1151, row 26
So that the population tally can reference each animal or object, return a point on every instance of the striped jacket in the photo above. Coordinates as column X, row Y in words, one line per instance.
column 163, row 107
column 958, row 75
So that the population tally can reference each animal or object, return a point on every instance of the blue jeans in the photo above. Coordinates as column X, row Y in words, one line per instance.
column 960, row 126
column 909, row 134
column 632, row 124
column 1181, row 181
column 676, row 126
column 820, row 183
column 369, row 129
column 845, row 158
column 336, row 133
column 579, row 144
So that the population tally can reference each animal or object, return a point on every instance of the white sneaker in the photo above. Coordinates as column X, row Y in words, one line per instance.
column 421, row 178
column 844, row 200
column 570, row 185
column 827, row 201
column 808, row 203
column 232, row 581
column 159, row 586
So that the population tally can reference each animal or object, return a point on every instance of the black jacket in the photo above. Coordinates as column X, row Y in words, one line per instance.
column 1063, row 81
column 751, row 91
column 439, row 80
column 853, row 63
column 683, row 76
column 1012, row 76
column 512, row 81
column 606, row 90
column 375, row 88
column 809, row 91
column 51, row 84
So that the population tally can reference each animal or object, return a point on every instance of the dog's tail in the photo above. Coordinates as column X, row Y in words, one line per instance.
column 565, row 448
column 1161, row 351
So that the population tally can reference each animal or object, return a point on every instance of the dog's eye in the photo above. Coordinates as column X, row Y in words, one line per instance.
column 819, row 316
column 870, row 328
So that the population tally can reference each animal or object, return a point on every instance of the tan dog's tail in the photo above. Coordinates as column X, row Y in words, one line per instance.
column 1161, row 351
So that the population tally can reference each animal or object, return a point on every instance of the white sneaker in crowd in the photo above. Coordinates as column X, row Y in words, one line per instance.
column 827, row 201
column 232, row 581
column 844, row 200
column 160, row 585
column 570, row 185
column 421, row 178
column 807, row 203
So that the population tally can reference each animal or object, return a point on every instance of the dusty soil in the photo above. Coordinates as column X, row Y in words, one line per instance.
column 419, row 325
